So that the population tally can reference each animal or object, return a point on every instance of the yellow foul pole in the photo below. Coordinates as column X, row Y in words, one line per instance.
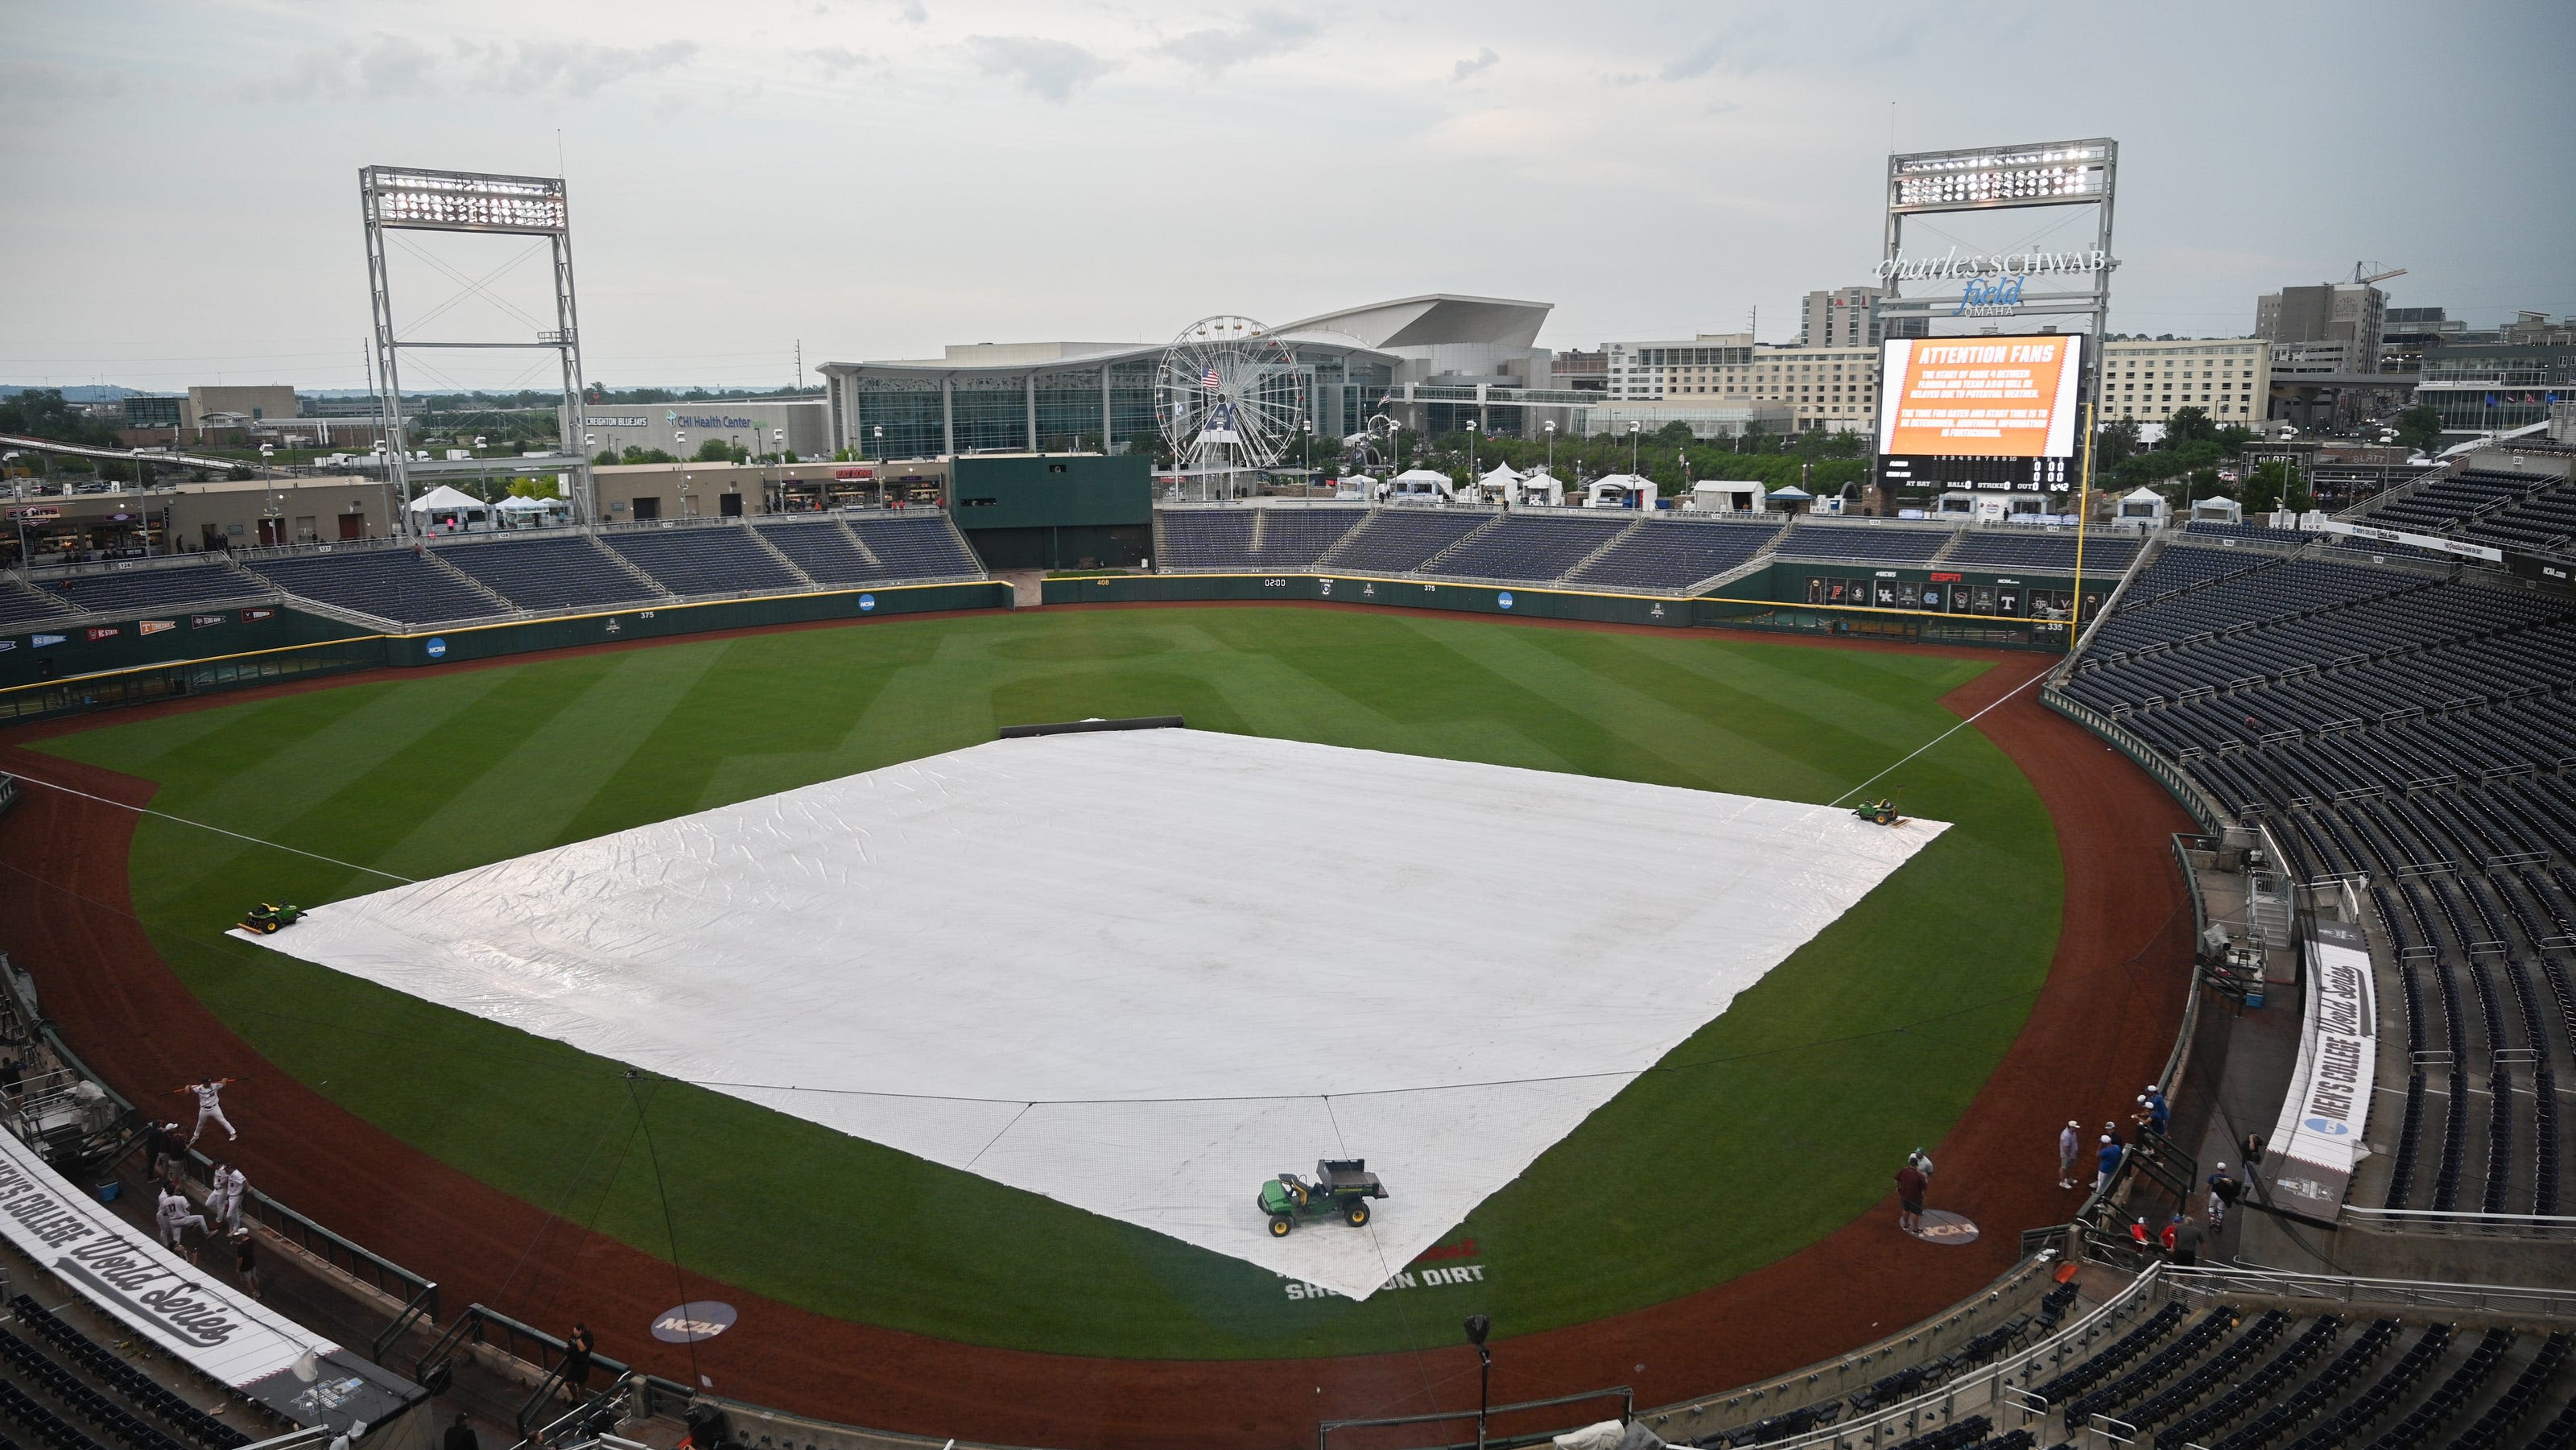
column 2083, row 520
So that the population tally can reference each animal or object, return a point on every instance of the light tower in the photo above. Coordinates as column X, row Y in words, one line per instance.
column 402, row 198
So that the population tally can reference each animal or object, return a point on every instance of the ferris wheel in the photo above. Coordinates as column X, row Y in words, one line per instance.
column 1229, row 398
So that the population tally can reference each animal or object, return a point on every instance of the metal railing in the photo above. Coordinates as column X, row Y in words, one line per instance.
column 1626, row 1396
column 2005, row 1382
column 2325, row 1293
column 2450, row 1224
column 2203, row 806
column 543, row 1352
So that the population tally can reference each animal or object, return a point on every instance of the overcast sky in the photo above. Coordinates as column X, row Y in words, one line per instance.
column 880, row 177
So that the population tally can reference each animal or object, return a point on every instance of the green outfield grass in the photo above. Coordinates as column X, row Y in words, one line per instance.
column 1787, row 1121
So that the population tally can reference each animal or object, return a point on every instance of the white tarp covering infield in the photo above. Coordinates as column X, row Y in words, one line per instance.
column 1142, row 972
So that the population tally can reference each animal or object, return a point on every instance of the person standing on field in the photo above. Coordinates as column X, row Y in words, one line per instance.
column 2106, row 1163
column 2070, row 1141
column 1910, row 1184
column 246, row 1262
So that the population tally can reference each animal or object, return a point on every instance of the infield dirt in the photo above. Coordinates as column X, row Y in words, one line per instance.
column 2100, row 1029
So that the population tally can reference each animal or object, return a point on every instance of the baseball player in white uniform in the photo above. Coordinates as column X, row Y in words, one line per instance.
column 173, row 1216
column 210, row 1107
column 231, row 1186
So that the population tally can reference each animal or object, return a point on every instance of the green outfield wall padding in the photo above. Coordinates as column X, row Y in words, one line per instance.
column 1747, row 604
column 283, row 645
column 486, row 641
column 35, row 653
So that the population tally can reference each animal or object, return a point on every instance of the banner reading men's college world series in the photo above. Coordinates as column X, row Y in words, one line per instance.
column 2313, row 1147
column 186, row 1311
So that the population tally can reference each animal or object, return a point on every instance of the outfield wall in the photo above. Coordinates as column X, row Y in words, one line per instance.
column 287, row 644
column 1749, row 603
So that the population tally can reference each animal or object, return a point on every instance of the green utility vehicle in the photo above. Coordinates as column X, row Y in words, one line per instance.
column 268, row 916
column 1342, row 1185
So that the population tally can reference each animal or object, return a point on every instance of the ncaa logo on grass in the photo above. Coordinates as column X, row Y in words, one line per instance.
column 867, row 603
column 688, row 1323
column 1503, row 600
column 438, row 649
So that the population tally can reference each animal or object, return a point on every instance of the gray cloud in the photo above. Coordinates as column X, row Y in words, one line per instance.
column 1695, row 63
column 578, row 68
column 49, row 81
column 393, row 65
column 1051, row 70
column 911, row 13
column 1485, row 60
column 1260, row 34
column 838, row 58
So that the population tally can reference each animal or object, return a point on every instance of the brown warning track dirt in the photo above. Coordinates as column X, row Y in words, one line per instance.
column 2098, row 1032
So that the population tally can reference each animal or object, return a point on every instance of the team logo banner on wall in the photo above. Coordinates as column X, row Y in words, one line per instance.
column 2313, row 1147
column 184, row 1310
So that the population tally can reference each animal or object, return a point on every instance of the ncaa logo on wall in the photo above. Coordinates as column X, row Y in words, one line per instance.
column 1504, row 599
column 867, row 603
column 438, row 649
column 2327, row 1126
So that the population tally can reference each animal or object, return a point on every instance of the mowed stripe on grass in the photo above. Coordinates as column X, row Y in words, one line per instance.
column 1775, row 1124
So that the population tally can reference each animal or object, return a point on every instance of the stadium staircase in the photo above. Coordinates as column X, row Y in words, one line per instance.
column 1608, row 544
column 794, row 570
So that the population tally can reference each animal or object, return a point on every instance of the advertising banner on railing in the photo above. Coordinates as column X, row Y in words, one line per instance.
column 2435, row 542
column 184, row 1309
column 2309, row 1159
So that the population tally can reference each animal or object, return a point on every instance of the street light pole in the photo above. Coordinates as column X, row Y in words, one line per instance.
column 1471, row 453
column 1551, row 448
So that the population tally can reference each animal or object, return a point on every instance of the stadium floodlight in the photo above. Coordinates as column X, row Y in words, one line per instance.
column 465, row 201
column 2052, row 173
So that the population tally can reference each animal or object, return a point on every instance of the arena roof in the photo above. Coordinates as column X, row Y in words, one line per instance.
column 1431, row 319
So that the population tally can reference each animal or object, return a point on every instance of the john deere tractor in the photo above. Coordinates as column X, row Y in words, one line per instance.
column 1342, row 1185
column 1882, row 810
column 268, row 916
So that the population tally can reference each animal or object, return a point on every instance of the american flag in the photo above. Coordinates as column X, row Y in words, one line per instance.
column 1213, row 383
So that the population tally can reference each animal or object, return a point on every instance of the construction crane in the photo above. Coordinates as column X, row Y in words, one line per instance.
column 2359, row 269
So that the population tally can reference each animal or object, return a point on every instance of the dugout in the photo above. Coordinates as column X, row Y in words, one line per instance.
column 1054, row 510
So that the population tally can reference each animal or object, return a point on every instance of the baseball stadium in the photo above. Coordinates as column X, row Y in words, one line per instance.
column 1465, row 971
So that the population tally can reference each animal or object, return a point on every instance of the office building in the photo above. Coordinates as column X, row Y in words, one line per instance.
column 2352, row 314
column 2147, row 381
column 1841, row 317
